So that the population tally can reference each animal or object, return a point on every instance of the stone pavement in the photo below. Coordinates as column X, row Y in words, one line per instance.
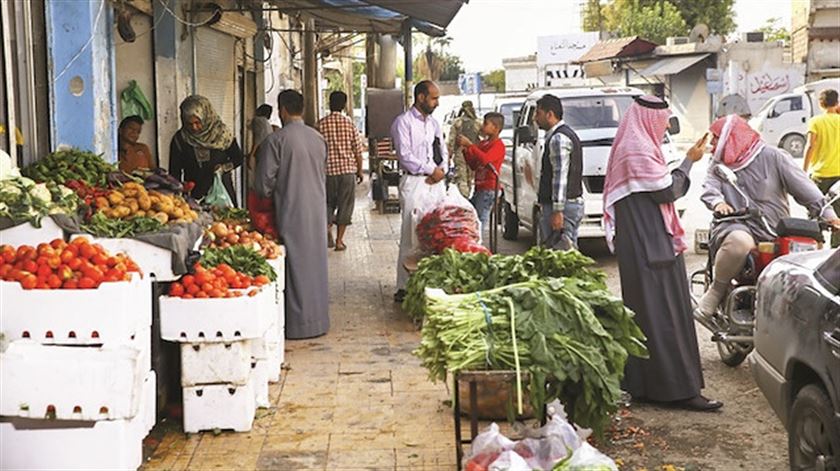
column 351, row 400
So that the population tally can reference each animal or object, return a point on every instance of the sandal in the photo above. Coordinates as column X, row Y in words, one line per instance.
column 340, row 247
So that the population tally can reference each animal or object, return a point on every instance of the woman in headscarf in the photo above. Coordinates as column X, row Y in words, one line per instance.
column 203, row 146
column 767, row 175
column 644, row 231
column 468, row 125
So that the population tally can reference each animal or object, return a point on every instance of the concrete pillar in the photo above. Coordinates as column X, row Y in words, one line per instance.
column 409, row 63
column 387, row 67
column 310, row 74
column 349, row 78
column 82, row 95
column 371, row 44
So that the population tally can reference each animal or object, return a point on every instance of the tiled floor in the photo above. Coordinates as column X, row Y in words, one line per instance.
column 354, row 399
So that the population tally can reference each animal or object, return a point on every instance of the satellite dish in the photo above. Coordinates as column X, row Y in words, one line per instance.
column 699, row 33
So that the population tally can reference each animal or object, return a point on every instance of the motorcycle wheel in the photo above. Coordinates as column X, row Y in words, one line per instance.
column 814, row 437
column 730, row 355
column 510, row 228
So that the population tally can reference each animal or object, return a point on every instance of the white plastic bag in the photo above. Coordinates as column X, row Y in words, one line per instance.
column 487, row 446
column 439, row 220
column 509, row 461
column 587, row 458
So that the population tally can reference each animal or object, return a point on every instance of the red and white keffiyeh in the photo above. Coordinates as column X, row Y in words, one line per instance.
column 637, row 165
column 737, row 144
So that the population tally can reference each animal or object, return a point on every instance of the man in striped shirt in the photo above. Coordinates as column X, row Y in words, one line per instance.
column 344, row 167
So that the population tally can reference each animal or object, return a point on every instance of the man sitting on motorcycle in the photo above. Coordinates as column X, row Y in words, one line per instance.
column 767, row 175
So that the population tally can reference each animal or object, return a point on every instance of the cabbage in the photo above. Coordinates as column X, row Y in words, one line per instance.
column 41, row 193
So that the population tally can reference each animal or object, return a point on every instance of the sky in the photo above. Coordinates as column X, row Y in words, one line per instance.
column 485, row 31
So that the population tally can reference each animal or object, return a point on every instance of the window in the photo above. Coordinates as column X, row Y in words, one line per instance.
column 828, row 273
column 511, row 113
column 788, row 104
column 595, row 112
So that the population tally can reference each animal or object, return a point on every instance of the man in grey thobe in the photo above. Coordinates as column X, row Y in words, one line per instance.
column 291, row 170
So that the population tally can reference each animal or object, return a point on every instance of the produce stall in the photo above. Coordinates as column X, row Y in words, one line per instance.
column 97, row 267
column 546, row 316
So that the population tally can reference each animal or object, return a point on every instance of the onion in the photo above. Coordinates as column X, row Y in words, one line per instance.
column 220, row 229
column 232, row 239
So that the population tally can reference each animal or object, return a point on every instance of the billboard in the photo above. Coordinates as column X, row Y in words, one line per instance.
column 563, row 48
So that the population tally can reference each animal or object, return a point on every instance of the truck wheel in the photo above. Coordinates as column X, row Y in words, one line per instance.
column 510, row 231
column 730, row 355
column 794, row 144
column 813, row 433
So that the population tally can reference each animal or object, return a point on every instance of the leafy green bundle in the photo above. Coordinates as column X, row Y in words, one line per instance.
column 573, row 347
column 103, row 226
column 456, row 272
column 72, row 164
column 240, row 258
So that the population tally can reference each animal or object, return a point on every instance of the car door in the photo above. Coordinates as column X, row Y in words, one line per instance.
column 525, row 193
column 789, row 115
column 828, row 275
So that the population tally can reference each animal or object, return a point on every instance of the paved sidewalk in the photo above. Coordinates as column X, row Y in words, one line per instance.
column 353, row 399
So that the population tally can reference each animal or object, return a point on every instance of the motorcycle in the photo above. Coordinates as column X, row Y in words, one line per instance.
column 733, row 322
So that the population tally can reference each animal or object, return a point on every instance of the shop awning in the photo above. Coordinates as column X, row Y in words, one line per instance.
column 672, row 65
column 376, row 16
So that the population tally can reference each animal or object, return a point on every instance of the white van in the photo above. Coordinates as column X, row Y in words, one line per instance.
column 783, row 120
column 594, row 114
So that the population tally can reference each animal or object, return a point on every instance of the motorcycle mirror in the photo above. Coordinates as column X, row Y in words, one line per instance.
column 726, row 173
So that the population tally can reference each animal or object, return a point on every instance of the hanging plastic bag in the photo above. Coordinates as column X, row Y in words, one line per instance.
column 451, row 221
column 218, row 195
column 134, row 103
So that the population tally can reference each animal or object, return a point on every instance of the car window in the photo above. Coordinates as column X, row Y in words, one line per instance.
column 788, row 104
column 511, row 112
column 595, row 112
column 828, row 273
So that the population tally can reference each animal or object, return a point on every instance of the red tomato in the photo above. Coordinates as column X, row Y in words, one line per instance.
column 73, row 249
column 58, row 244
column 176, row 289
column 42, row 284
column 87, row 251
column 187, row 296
column 70, row 284
column 86, row 283
column 54, row 261
column 29, row 281
column 217, row 293
column 193, row 289
column 5, row 269
column 30, row 266
column 188, row 280
column 54, row 282
column 79, row 241
column 253, row 292
column 261, row 280
column 201, row 295
column 65, row 272
column 99, row 260
column 44, row 247
column 112, row 262
column 44, row 271
column 75, row 264
column 66, row 255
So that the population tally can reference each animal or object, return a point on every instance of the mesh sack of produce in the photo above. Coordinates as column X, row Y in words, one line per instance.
column 452, row 222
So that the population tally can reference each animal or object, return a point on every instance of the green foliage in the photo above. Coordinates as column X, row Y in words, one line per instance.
column 655, row 19
column 435, row 62
column 773, row 32
column 495, row 79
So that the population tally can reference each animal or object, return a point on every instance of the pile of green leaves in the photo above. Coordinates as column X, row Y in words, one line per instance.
column 241, row 258
column 456, row 272
column 71, row 164
column 103, row 226
column 574, row 348
column 221, row 213
column 23, row 200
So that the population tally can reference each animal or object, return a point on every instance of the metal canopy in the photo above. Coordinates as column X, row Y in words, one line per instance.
column 375, row 16
column 672, row 65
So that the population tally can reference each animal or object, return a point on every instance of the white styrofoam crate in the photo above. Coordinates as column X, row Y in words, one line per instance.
column 219, row 406
column 27, row 234
column 72, row 383
column 30, row 444
column 215, row 363
column 260, row 378
column 274, row 361
column 214, row 320
column 279, row 265
column 111, row 313
column 151, row 259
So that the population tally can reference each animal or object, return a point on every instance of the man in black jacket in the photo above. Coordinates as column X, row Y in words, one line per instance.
column 561, row 189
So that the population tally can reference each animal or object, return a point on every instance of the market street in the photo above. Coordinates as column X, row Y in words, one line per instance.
column 358, row 399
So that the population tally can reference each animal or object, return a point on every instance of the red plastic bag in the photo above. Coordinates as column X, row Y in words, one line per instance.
column 261, row 211
column 442, row 222
column 467, row 245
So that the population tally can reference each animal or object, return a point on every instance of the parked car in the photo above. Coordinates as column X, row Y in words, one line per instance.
column 783, row 120
column 594, row 114
column 796, row 361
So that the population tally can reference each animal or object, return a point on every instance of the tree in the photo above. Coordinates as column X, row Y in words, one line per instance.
column 654, row 21
column 773, row 32
column 718, row 15
column 435, row 62
column 494, row 79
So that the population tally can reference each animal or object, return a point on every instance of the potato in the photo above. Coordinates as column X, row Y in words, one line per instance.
column 122, row 211
column 162, row 217
column 102, row 202
column 145, row 202
column 133, row 205
column 140, row 214
column 178, row 213
column 132, row 185
column 130, row 193
column 115, row 197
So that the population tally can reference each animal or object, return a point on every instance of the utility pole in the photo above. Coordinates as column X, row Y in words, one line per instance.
column 310, row 74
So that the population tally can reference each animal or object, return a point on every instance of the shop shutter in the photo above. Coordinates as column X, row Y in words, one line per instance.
column 216, row 79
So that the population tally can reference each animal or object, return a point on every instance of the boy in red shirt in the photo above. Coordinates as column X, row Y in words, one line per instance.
column 484, row 157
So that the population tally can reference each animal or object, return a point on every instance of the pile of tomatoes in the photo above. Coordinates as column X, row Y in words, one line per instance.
column 221, row 281
column 61, row 265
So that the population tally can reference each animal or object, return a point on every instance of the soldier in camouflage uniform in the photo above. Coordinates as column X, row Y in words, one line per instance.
column 466, row 124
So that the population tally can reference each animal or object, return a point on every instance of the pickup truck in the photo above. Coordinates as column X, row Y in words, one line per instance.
column 594, row 114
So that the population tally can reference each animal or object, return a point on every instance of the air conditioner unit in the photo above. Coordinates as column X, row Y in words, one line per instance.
column 675, row 40
column 753, row 37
